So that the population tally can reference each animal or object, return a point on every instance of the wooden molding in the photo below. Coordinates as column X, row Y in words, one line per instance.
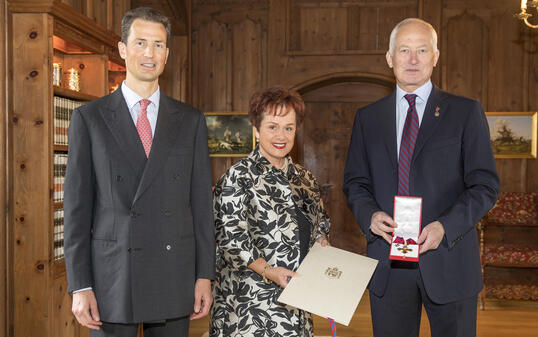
column 69, row 20
column 5, row 300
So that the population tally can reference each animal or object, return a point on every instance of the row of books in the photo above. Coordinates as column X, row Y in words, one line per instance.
column 63, row 108
column 60, row 164
column 58, row 234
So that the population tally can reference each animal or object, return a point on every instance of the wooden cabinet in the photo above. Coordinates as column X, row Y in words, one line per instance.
column 41, row 34
column 508, row 248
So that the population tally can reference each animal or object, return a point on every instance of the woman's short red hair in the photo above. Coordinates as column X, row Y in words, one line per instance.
column 271, row 101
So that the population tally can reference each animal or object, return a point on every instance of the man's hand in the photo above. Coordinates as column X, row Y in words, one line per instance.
column 202, row 298
column 431, row 236
column 85, row 309
column 382, row 224
column 323, row 241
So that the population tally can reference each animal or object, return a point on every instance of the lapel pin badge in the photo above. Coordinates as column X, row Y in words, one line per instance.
column 437, row 111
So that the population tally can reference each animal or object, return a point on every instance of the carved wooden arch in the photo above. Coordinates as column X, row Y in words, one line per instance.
column 334, row 78
column 330, row 79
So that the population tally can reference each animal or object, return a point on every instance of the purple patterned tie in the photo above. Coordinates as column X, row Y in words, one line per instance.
column 407, row 145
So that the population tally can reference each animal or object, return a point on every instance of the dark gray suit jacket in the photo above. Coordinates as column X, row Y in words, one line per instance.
column 452, row 169
column 138, row 230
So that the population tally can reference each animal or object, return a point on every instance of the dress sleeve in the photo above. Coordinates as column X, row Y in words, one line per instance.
column 232, row 196
column 323, row 223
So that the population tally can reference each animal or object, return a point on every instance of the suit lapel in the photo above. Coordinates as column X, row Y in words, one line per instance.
column 433, row 113
column 166, row 132
column 389, row 124
column 120, row 123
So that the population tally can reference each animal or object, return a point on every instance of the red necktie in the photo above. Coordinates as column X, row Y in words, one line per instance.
column 143, row 127
column 407, row 145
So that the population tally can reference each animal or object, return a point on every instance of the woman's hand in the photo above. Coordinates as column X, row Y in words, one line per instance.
column 280, row 275
column 323, row 241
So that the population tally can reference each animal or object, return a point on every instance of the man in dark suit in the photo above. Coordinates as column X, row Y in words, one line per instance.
column 139, row 237
column 421, row 141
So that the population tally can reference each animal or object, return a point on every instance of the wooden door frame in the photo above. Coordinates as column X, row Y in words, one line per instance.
column 330, row 79
column 4, row 300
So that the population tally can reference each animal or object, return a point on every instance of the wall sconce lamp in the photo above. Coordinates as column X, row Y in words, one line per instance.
column 523, row 15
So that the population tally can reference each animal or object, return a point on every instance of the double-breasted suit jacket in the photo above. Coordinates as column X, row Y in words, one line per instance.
column 138, row 230
column 452, row 169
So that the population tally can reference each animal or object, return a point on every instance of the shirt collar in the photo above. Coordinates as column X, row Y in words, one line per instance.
column 132, row 98
column 422, row 92
column 262, row 165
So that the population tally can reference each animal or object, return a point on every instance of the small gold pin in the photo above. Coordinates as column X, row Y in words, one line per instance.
column 437, row 112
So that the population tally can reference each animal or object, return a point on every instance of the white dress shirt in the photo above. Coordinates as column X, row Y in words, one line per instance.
column 133, row 103
column 402, row 105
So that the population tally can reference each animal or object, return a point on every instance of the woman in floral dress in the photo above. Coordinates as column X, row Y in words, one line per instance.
column 268, row 213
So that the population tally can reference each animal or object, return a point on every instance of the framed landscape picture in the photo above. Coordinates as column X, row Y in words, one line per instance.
column 513, row 134
column 229, row 134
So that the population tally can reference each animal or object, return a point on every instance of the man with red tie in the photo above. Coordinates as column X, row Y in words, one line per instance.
column 421, row 141
column 139, row 238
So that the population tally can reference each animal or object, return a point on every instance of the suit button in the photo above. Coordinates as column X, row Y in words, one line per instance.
column 119, row 178
column 168, row 247
column 133, row 214
column 129, row 250
column 177, row 176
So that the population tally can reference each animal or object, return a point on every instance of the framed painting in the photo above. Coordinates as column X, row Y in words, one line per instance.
column 513, row 134
column 229, row 134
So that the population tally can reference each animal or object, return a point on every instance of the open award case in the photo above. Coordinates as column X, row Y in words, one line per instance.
column 408, row 215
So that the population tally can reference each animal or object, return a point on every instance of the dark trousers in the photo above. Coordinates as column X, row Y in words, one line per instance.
column 397, row 313
column 178, row 327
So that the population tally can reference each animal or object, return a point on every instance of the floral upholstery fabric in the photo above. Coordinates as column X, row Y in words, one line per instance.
column 514, row 208
column 511, row 255
column 513, row 291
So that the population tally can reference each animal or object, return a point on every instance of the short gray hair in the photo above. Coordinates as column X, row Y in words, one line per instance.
column 406, row 22
column 146, row 14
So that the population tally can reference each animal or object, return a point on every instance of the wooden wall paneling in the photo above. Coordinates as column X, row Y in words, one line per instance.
column 211, row 58
column 210, row 64
column 323, row 28
column 532, row 50
column 4, row 299
column 368, row 28
column 31, row 215
column 180, row 67
column 293, row 68
column 509, row 171
column 277, row 39
column 389, row 16
column 119, row 8
column 432, row 12
column 464, row 60
column 506, row 85
column 248, row 73
column 166, row 79
column 78, row 5
column 64, row 323
column 100, row 12
column 326, row 132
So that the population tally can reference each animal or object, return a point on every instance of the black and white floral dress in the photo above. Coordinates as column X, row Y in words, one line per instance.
column 255, row 208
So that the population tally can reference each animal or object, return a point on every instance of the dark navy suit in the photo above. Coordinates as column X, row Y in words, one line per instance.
column 452, row 169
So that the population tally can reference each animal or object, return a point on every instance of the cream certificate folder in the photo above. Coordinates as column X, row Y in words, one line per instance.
column 330, row 284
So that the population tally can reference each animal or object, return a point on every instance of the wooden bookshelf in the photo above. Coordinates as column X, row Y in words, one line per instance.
column 40, row 34
column 60, row 148
column 68, row 93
